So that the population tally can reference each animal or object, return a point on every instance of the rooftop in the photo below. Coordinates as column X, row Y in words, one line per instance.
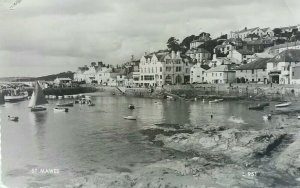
column 290, row 55
column 260, row 63
column 222, row 68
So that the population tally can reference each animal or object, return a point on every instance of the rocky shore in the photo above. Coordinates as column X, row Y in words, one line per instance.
column 211, row 156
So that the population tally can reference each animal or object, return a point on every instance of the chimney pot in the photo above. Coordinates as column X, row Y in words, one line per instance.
column 173, row 54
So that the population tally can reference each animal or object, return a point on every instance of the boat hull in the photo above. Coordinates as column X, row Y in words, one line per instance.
column 66, row 104
column 37, row 109
column 283, row 105
column 60, row 109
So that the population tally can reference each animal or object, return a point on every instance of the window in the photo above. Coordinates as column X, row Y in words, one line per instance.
column 160, row 69
column 202, row 72
column 252, row 71
column 192, row 72
column 160, row 76
column 168, row 69
column 212, row 74
column 178, row 69
column 186, row 70
column 264, row 70
column 142, row 78
column 198, row 76
column 220, row 74
column 293, row 73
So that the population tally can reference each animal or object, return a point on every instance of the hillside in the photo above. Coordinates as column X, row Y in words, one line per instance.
column 51, row 77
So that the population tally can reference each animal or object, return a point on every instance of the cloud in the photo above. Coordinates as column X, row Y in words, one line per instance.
column 62, row 35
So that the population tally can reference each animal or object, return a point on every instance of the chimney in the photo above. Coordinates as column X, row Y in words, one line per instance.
column 132, row 57
column 178, row 53
column 173, row 54
column 245, row 28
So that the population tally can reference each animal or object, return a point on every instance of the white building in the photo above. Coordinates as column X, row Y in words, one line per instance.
column 198, row 73
column 106, row 77
column 244, row 33
column 158, row 69
column 220, row 74
column 255, row 72
column 283, row 68
column 198, row 55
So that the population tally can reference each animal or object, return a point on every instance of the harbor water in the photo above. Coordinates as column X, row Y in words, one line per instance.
column 47, row 149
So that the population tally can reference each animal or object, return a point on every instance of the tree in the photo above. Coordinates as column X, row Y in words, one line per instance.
column 277, row 31
column 173, row 44
column 185, row 44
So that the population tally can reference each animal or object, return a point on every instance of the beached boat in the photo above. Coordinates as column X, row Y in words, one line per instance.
column 15, row 96
column 282, row 105
column 68, row 104
column 13, row 118
column 298, row 117
column 59, row 109
column 37, row 99
column 130, row 117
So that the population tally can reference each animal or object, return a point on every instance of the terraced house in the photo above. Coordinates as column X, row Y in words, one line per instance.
column 255, row 72
column 157, row 69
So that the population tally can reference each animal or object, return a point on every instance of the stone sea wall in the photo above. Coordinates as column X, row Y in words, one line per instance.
column 226, row 91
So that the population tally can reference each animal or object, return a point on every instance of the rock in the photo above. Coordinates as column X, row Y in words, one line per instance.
column 289, row 160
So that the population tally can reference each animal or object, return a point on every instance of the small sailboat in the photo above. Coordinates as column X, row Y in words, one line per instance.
column 282, row 105
column 13, row 118
column 37, row 99
column 130, row 117
column 60, row 109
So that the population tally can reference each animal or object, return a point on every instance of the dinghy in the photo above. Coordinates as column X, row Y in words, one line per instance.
column 69, row 104
column 131, row 107
column 13, row 118
column 282, row 105
column 59, row 109
column 37, row 99
column 130, row 117
column 216, row 101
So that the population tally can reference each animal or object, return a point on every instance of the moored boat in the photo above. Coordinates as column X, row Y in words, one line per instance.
column 16, row 96
column 282, row 105
column 13, row 118
column 59, row 109
column 131, row 106
column 216, row 101
column 69, row 104
column 258, row 107
column 130, row 117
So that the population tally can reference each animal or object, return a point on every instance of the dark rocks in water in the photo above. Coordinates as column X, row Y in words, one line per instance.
column 168, row 125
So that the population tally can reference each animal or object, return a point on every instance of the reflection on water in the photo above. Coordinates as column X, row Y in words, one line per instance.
column 87, row 139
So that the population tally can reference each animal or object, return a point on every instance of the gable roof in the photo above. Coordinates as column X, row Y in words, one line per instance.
column 222, row 68
column 290, row 55
column 260, row 63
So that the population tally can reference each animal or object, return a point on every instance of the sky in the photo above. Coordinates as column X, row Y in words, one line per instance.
column 39, row 37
